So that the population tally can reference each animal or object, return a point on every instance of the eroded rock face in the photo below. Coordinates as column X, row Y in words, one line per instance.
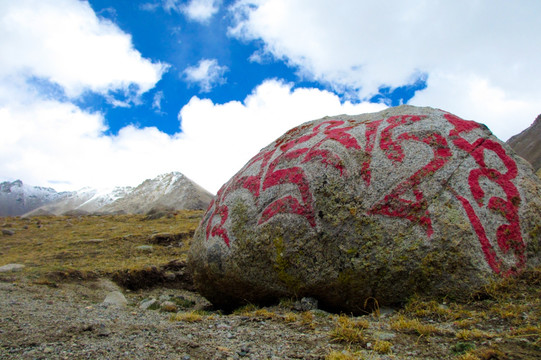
column 383, row 205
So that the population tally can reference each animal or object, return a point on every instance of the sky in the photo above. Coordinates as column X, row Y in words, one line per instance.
column 104, row 93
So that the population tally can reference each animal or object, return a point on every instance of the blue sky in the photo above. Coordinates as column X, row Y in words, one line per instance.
column 102, row 93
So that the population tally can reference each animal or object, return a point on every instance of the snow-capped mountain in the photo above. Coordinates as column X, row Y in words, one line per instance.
column 17, row 198
column 172, row 191
column 84, row 201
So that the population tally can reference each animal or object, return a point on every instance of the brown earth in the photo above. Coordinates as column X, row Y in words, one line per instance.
column 53, row 308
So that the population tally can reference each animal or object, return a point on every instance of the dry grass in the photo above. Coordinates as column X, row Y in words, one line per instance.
column 99, row 245
column 404, row 324
column 349, row 331
column 343, row 355
column 382, row 347
column 80, row 248
column 190, row 316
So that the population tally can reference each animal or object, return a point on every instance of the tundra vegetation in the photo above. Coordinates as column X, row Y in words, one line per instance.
column 501, row 322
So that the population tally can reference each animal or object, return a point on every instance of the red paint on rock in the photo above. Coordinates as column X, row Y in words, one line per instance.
column 272, row 169
column 508, row 236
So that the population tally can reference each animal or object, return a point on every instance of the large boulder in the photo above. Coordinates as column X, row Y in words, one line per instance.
column 375, row 206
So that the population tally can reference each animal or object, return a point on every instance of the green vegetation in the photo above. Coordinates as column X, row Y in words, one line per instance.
column 56, row 248
column 501, row 322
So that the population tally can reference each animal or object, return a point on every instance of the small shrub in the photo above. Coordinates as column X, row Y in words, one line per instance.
column 472, row 334
column 290, row 317
column 382, row 347
column 348, row 331
column 191, row 316
column 413, row 325
column 343, row 355
column 462, row 347
column 468, row 356
column 245, row 310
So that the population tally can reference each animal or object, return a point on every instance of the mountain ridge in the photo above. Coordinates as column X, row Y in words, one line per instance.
column 172, row 191
column 527, row 144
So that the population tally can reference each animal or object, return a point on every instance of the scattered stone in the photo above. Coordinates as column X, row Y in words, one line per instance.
column 169, row 276
column 11, row 267
column 375, row 206
column 147, row 248
column 306, row 304
column 7, row 232
column 169, row 239
column 169, row 306
column 115, row 298
column 149, row 304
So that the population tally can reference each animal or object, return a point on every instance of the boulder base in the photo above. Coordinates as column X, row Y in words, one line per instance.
column 349, row 209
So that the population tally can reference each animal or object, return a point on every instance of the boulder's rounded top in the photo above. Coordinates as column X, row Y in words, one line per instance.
column 377, row 205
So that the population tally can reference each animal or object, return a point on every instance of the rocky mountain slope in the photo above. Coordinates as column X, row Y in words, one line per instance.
column 166, row 191
column 528, row 144
column 84, row 201
column 173, row 190
column 17, row 198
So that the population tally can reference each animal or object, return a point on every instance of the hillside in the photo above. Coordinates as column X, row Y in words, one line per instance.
column 171, row 191
column 528, row 144
column 17, row 198
column 55, row 306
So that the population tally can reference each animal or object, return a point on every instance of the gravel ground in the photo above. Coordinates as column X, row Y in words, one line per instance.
column 70, row 321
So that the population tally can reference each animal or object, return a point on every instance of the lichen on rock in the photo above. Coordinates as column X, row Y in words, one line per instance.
column 374, row 206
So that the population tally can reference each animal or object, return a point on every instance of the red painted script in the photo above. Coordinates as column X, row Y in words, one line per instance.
column 282, row 165
column 508, row 236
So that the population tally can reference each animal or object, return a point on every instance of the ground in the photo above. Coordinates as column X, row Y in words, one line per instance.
column 53, row 308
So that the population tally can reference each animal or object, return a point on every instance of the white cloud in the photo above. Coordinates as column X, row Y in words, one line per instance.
column 157, row 101
column 201, row 10
column 223, row 137
column 207, row 74
column 51, row 143
column 364, row 45
column 195, row 10
column 64, row 43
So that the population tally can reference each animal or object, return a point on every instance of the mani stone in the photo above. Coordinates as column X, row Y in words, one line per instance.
column 350, row 210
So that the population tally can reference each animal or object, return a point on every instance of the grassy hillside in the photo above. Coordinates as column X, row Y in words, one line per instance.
column 502, row 322
column 91, row 246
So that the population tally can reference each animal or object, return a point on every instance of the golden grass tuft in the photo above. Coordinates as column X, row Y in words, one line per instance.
column 473, row 334
column 190, row 316
column 382, row 347
column 404, row 324
column 348, row 331
column 343, row 355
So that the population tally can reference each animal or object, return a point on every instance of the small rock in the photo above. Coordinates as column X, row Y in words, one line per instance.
column 48, row 350
column 7, row 232
column 169, row 306
column 115, row 298
column 144, row 248
column 306, row 304
column 165, row 297
column 169, row 276
column 103, row 331
column 147, row 303
column 11, row 267
column 386, row 311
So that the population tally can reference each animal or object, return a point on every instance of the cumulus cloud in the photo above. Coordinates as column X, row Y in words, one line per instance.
column 223, row 137
column 201, row 10
column 54, row 51
column 361, row 46
column 157, row 101
column 207, row 74
column 51, row 143
column 64, row 43
column 195, row 10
